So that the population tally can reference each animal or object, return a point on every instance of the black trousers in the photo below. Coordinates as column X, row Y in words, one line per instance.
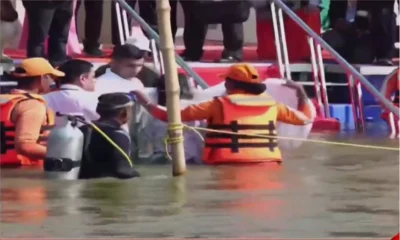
column 147, row 10
column 52, row 19
column 383, row 32
column 383, row 23
column 93, row 22
column 195, row 34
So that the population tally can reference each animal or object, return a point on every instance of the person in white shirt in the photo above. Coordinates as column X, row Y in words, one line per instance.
column 76, row 94
column 126, row 62
column 121, row 76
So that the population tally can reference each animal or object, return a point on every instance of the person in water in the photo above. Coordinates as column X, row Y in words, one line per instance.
column 156, row 130
column 100, row 157
column 76, row 94
column 248, row 111
column 25, row 119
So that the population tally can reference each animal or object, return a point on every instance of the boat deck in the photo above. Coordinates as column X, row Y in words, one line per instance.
column 209, row 70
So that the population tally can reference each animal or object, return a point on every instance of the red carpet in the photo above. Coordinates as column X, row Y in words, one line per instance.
column 209, row 73
column 211, row 53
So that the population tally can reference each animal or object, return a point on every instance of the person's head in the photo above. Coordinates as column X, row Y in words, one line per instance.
column 184, row 86
column 243, row 78
column 116, row 106
column 35, row 74
column 127, row 61
column 78, row 72
column 143, row 43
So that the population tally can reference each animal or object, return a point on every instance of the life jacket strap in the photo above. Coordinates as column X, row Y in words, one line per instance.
column 7, row 142
column 235, row 145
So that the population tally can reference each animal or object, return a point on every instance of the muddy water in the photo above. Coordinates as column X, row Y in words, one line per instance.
column 320, row 191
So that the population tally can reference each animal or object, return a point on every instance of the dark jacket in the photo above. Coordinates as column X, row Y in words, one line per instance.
column 100, row 158
column 338, row 9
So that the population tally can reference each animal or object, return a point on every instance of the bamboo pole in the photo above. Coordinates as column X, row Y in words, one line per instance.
column 172, row 87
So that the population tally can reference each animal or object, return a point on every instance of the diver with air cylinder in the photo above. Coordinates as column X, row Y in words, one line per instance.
column 97, row 149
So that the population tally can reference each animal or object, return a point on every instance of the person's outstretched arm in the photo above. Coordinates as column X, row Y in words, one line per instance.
column 200, row 111
column 195, row 112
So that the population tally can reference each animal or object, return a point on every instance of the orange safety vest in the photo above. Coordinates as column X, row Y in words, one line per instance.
column 9, row 155
column 391, row 85
column 247, row 115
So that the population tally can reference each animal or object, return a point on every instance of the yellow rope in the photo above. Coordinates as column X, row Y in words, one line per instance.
column 111, row 142
column 175, row 140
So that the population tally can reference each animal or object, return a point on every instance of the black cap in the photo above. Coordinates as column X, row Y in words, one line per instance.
column 127, row 51
column 111, row 101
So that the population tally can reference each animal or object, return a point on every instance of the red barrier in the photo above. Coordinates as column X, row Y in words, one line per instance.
column 297, row 43
column 397, row 237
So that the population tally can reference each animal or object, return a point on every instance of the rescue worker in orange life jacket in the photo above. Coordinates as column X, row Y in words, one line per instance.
column 248, row 110
column 25, row 119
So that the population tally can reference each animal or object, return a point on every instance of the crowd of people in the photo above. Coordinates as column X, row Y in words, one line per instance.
column 355, row 27
column 107, row 97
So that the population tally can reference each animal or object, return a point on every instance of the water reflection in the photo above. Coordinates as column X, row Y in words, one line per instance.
column 24, row 204
column 319, row 191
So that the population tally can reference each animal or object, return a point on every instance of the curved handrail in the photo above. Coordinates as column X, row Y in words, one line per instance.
column 386, row 103
column 155, row 36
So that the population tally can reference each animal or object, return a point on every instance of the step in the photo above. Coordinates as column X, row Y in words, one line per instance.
column 344, row 114
column 341, row 113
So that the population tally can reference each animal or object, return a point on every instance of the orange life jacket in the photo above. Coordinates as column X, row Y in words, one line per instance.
column 391, row 84
column 247, row 115
column 390, row 87
column 9, row 155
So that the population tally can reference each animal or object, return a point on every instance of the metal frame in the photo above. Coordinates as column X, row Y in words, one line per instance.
column 124, row 34
column 394, row 130
column 153, row 35
column 316, row 60
column 360, row 79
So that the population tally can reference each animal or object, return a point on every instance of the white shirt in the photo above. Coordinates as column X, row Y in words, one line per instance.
column 71, row 99
column 110, row 82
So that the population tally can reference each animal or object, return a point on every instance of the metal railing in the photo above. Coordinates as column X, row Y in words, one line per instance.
column 355, row 79
column 318, row 70
column 153, row 35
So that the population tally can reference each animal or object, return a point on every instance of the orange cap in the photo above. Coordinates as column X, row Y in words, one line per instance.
column 36, row 67
column 242, row 72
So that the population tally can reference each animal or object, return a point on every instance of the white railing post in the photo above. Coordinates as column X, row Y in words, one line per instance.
column 322, row 79
column 356, row 102
column 157, row 57
column 277, row 39
column 348, row 67
column 394, row 126
column 317, row 85
column 360, row 103
column 153, row 35
column 120, row 24
column 286, row 63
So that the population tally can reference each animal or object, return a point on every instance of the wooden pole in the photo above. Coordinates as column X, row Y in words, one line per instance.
column 172, row 87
